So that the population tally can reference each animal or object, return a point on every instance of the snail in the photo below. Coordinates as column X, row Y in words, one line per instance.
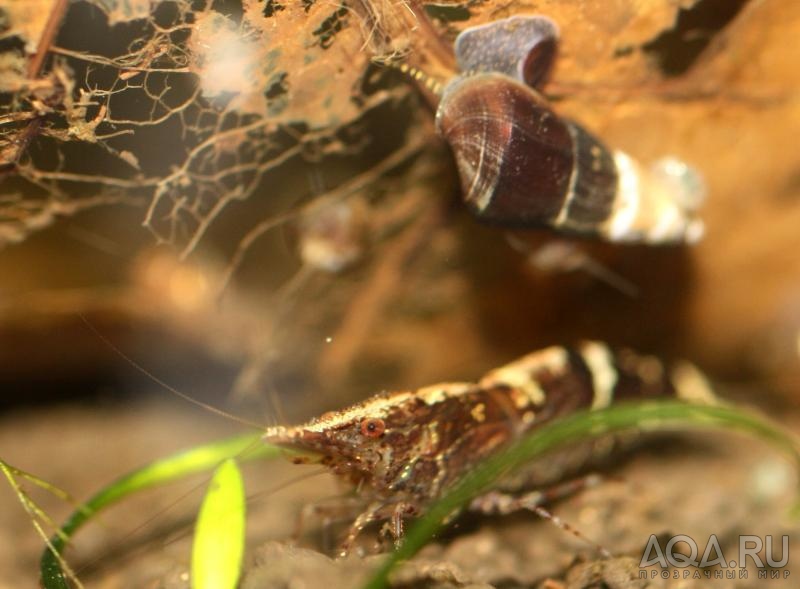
column 522, row 165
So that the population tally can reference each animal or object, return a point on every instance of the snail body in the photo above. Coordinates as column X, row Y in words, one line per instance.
column 523, row 47
column 522, row 165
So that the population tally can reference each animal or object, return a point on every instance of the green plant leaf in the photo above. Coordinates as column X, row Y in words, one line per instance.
column 218, row 546
column 654, row 415
column 182, row 464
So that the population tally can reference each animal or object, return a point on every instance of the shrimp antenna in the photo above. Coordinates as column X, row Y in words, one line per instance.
column 161, row 383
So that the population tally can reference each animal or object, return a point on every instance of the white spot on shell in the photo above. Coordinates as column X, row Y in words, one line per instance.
column 692, row 385
column 657, row 205
column 522, row 373
column 604, row 376
column 439, row 392
column 479, row 413
column 627, row 200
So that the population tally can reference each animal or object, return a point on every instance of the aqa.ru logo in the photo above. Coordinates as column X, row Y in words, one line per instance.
column 675, row 555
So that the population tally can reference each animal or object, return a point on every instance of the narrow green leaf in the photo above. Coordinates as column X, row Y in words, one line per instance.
column 654, row 415
column 219, row 533
column 182, row 464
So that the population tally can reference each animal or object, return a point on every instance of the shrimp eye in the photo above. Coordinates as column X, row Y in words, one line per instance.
column 373, row 428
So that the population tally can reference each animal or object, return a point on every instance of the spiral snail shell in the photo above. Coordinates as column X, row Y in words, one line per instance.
column 522, row 165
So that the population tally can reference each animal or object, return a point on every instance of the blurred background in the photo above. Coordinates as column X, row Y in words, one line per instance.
column 243, row 200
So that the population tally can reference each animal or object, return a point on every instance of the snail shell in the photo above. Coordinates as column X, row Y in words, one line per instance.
column 522, row 47
column 521, row 165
